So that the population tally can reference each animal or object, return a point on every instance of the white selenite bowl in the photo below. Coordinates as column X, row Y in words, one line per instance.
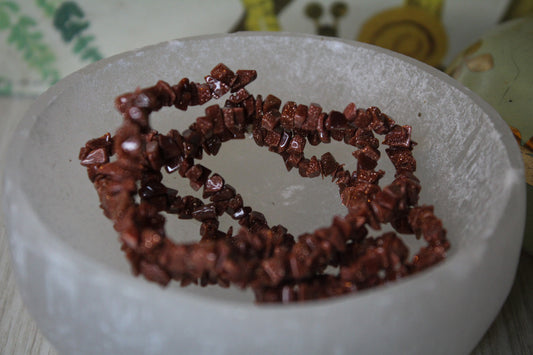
column 77, row 284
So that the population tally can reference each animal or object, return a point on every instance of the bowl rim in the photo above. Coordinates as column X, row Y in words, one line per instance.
column 72, row 256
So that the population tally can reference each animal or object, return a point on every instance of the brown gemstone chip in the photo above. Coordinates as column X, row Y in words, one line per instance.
column 244, row 77
column 223, row 74
column 213, row 184
column 287, row 115
column 328, row 164
column 300, row 116
column 399, row 136
column 97, row 156
column 271, row 103
column 336, row 121
column 198, row 175
column 205, row 212
column 217, row 87
column 270, row 120
column 297, row 144
column 239, row 96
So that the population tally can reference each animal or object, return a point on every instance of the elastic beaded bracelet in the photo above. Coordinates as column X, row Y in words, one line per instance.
column 126, row 172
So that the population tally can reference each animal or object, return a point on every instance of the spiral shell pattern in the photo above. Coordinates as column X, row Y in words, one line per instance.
column 409, row 30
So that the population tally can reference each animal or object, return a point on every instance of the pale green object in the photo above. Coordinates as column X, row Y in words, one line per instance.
column 498, row 68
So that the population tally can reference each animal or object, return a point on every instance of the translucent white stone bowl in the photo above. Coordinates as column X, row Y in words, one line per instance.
column 77, row 284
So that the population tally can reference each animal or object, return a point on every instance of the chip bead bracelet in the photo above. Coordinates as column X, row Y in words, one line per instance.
column 126, row 172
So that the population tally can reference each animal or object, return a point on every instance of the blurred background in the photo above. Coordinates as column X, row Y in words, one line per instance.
column 41, row 41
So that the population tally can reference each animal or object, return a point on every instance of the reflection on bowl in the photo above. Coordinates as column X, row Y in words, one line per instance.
column 78, row 286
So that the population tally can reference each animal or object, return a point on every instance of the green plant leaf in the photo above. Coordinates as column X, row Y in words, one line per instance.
column 4, row 20
column 49, row 8
column 82, row 42
column 6, row 86
column 91, row 54
column 29, row 41
column 26, row 21
column 69, row 20
column 17, row 37
column 11, row 5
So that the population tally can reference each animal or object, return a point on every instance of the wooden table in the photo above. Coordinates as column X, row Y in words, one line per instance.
column 511, row 332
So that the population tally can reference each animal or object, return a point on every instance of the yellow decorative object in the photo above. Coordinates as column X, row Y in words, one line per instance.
column 433, row 6
column 410, row 30
column 260, row 15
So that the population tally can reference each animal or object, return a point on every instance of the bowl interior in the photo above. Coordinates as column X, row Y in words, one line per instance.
column 462, row 161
